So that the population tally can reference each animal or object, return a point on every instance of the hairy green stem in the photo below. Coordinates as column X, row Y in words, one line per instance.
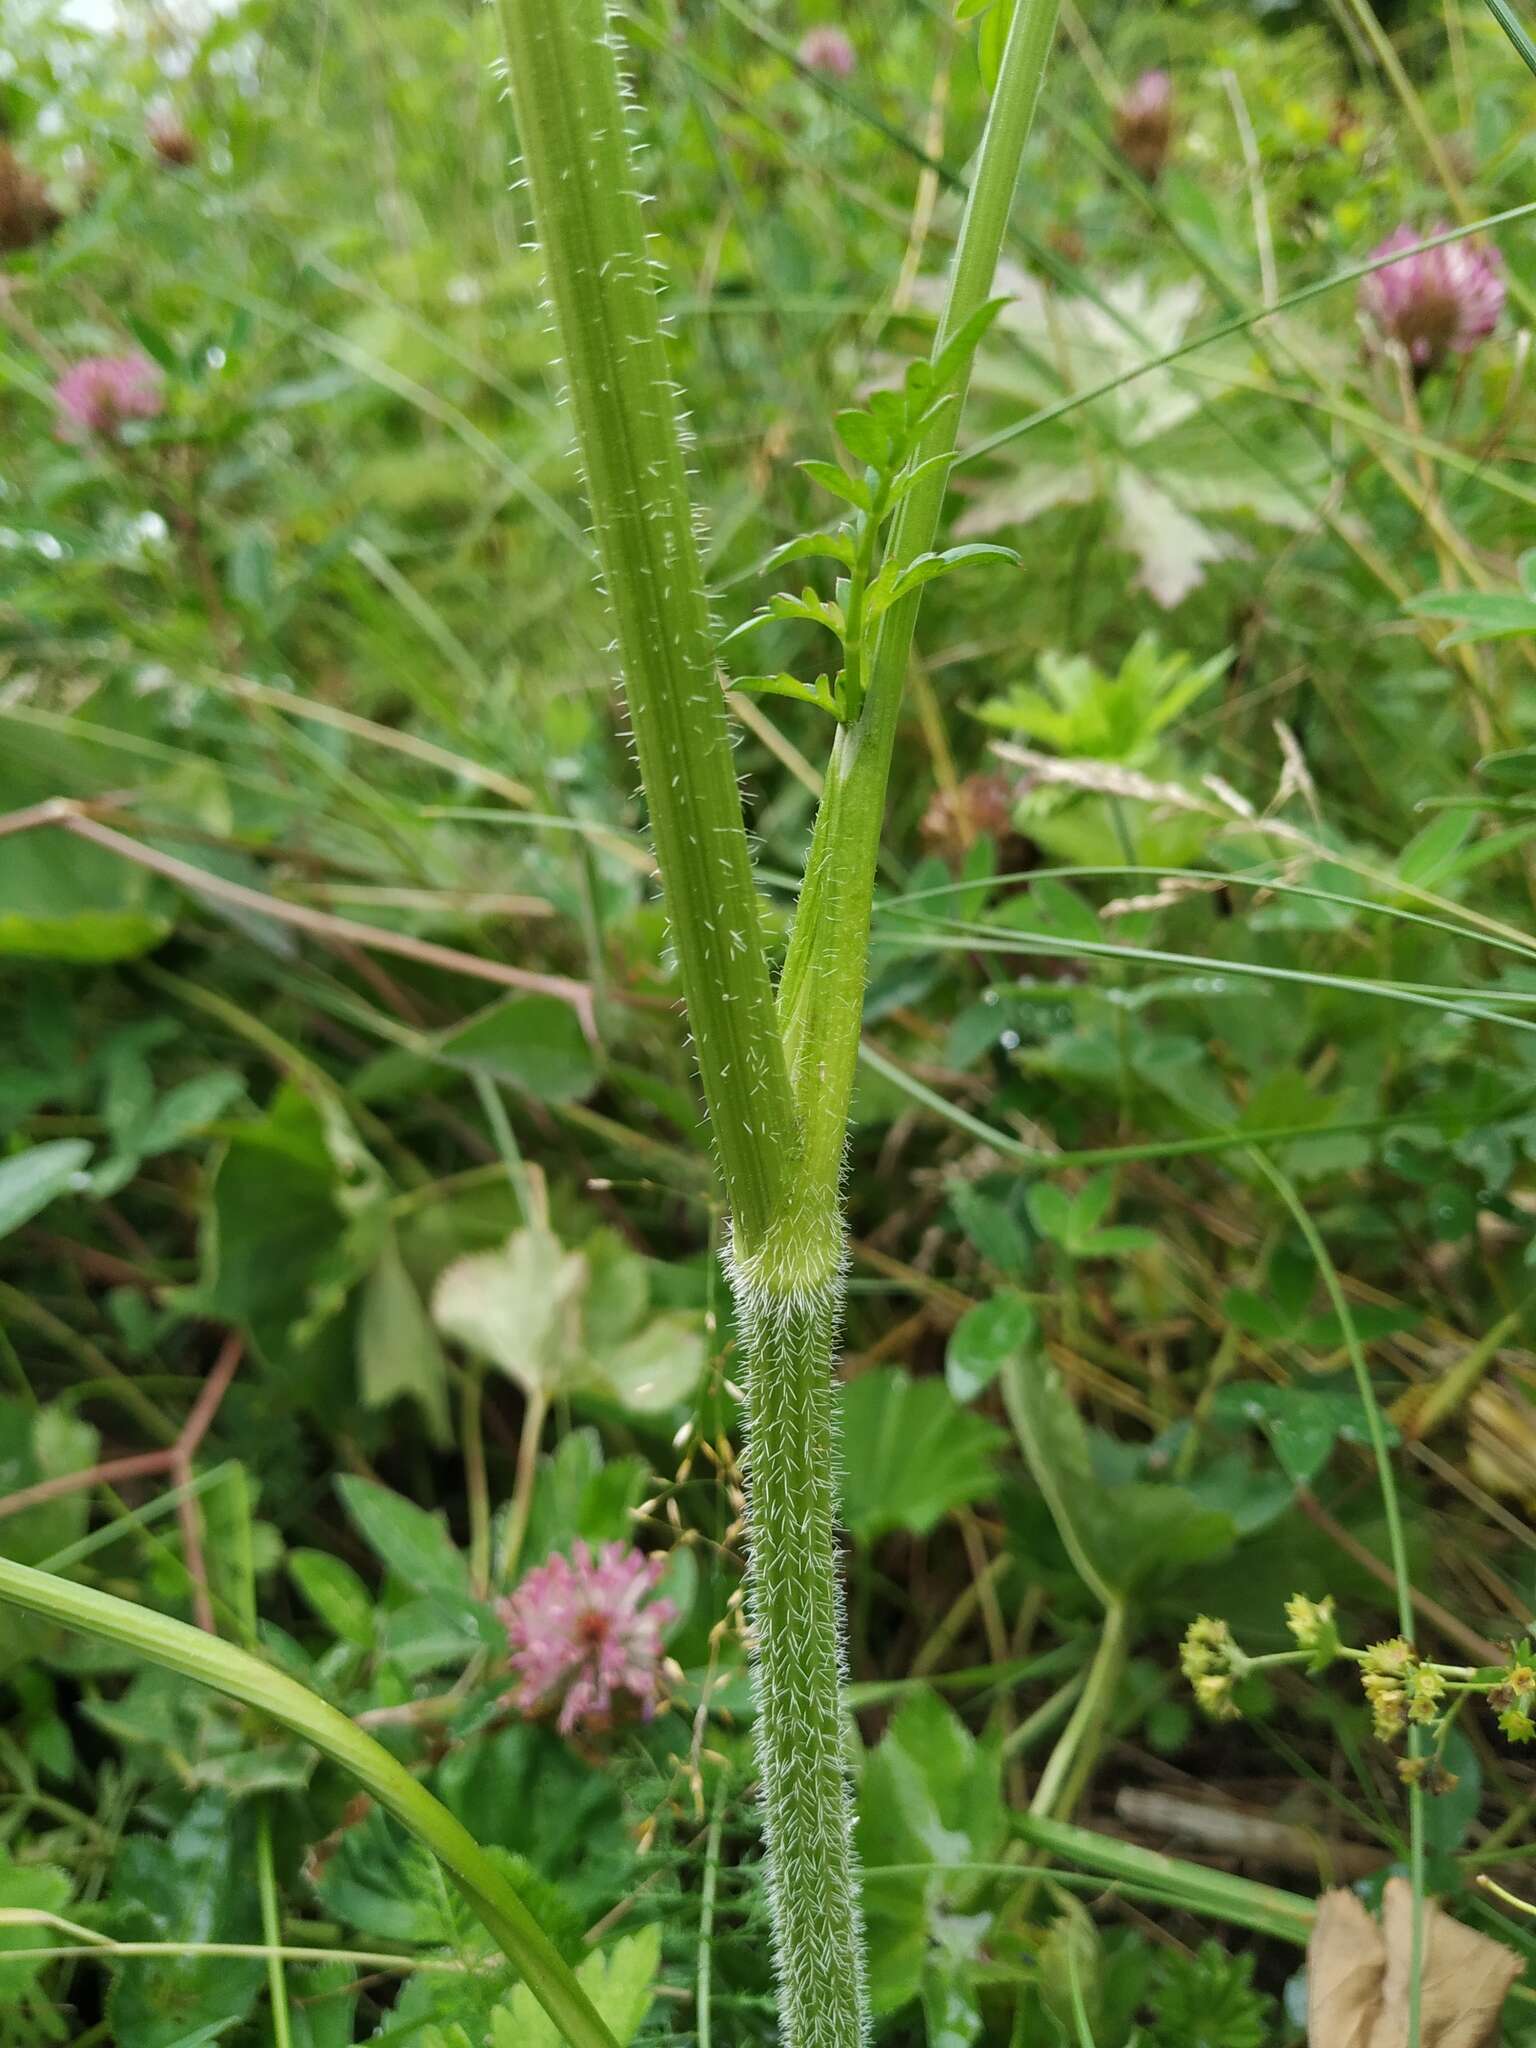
column 778, row 1105
column 569, row 104
column 236, row 1672
column 788, row 1326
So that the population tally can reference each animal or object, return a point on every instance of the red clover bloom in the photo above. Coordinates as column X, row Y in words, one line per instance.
column 1144, row 124
column 1437, row 301
column 828, row 50
column 584, row 1628
column 95, row 396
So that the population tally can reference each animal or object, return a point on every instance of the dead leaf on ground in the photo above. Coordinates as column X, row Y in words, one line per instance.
column 1346, row 1961
column 1358, row 1976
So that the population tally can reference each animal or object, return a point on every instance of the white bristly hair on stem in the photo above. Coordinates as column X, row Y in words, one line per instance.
column 777, row 1074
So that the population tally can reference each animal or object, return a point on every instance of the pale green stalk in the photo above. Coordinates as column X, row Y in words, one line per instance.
column 779, row 1110
column 243, row 1677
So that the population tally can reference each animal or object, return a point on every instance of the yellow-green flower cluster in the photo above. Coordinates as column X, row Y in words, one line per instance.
column 1315, row 1628
column 1513, row 1699
column 1400, row 1689
column 1207, row 1658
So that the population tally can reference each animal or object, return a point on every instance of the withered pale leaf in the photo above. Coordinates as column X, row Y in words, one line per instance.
column 1466, row 1977
column 1346, row 1963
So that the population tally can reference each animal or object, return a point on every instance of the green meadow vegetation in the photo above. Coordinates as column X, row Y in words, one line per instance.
column 767, row 1098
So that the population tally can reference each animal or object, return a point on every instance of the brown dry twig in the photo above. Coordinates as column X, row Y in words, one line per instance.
column 68, row 815
column 173, row 1463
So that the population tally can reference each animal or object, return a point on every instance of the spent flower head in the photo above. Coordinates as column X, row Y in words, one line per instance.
column 828, row 50
column 97, row 395
column 584, row 1631
column 1428, row 1773
column 170, row 138
column 1144, row 124
column 27, row 214
column 1435, row 302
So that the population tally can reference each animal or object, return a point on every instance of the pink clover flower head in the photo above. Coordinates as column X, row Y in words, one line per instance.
column 1144, row 124
column 96, row 396
column 1151, row 94
column 584, row 1629
column 1438, row 301
column 827, row 49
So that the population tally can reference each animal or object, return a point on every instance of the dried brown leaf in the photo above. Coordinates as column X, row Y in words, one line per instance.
column 1466, row 1977
column 1358, row 1974
column 1346, row 1963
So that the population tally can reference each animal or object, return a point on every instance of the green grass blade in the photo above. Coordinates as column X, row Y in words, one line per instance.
column 193, row 1654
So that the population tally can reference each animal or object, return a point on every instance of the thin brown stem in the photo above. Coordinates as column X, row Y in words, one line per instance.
column 68, row 816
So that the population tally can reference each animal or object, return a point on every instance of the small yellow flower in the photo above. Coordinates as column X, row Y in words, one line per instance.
column 1206, row 1647
column 1426, row 1690
column 1214, row 1694
column 1389, row 1704
column 1313, row 1625
column 1392, row 1659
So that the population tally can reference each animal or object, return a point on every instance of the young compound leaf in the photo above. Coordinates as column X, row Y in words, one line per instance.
column 809, row 605
column 890, row 412
column 619, row 1981
column 956, row 354
column 785, row 605
column 891, row 586
column 865, row 437
column 747, row 626
column 851, row 489
column 819, row 693
column 910, row 478
column 836, row 547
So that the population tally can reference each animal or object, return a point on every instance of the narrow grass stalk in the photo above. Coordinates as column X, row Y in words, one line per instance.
column 778, row 1104
column 227, row 1669
column 1397, row 1544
